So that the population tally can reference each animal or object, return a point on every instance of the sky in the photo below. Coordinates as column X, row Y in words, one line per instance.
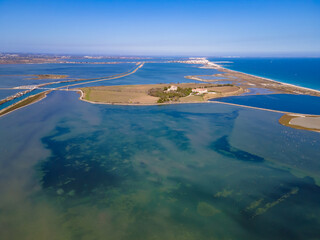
column 161, row 27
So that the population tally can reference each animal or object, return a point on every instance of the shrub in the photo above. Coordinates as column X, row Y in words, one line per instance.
column 169, row 96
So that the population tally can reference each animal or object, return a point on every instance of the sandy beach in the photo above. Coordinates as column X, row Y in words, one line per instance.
column 301, row 121
column 281, row 86
column 248, row 80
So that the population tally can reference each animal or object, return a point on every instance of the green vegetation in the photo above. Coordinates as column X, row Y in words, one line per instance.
column 262, row 210
column 86, row 92
column 224, row 193
column 165, row 96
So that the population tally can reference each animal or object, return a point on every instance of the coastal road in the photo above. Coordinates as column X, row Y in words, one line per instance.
column 105, row 79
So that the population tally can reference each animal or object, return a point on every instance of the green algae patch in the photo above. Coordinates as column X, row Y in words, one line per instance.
column 254, row 204
column 262, row 210
column 206, row 209
column 224, row 193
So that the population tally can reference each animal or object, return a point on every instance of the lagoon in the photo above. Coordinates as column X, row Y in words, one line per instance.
column 74, row 170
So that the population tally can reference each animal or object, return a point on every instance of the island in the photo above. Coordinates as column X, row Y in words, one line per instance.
column 205, row 89
column 153, row 94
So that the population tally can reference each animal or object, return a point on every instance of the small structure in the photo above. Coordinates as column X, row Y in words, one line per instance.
column 172, row 88
column 199, row 91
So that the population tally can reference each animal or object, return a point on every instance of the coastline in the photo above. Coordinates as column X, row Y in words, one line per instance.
column 219, row 67
column 116, row 76
column 138, row 94
column 169, row 103
column 245, row 81
column 248, row 79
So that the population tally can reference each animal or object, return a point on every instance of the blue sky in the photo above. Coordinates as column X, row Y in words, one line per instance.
column 176, row 27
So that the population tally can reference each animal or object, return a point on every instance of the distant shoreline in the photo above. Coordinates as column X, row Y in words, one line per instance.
column 267, row 79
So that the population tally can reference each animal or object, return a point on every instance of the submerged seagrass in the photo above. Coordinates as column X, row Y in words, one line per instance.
column 74, row 170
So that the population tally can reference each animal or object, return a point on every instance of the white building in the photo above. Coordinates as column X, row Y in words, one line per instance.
column 200, row 90
column 172, row 88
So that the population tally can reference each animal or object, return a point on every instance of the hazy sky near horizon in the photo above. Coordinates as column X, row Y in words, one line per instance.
column 161, row 27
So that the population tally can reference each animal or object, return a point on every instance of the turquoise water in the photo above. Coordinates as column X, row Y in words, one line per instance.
column 303, row 72
column 74, row 170
column 87, row 171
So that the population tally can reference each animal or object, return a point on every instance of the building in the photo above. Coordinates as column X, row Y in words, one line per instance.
column 172, row 88
column 199, row 90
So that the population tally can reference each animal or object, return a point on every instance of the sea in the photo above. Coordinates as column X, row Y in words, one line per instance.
column 74, row 170
column 303, row 72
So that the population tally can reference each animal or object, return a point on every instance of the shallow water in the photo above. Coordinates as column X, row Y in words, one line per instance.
column 74, row 170
column 258, row 91
column 211, row 78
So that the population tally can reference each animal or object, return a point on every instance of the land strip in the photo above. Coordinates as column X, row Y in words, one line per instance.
column 31, row 100
column 300, row 121
column 48, row 76
column 140, row 94
column 107, row 78
column 294, row 120
column 25, row 102
column 246, row 81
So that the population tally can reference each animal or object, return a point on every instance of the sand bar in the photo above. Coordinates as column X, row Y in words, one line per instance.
column 301, row 121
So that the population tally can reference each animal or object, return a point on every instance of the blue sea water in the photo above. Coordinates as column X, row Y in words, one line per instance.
column 283, row 102
column 304, row 72
column 154, row 73
column 12, row 75
column 75, row 170
column 8, row 92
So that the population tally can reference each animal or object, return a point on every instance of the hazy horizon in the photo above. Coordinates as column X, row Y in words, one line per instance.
column 243, row 55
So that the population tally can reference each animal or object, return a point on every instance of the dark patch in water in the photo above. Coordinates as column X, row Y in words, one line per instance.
column 177, row 137
column 223, row 147
column 78, row 165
